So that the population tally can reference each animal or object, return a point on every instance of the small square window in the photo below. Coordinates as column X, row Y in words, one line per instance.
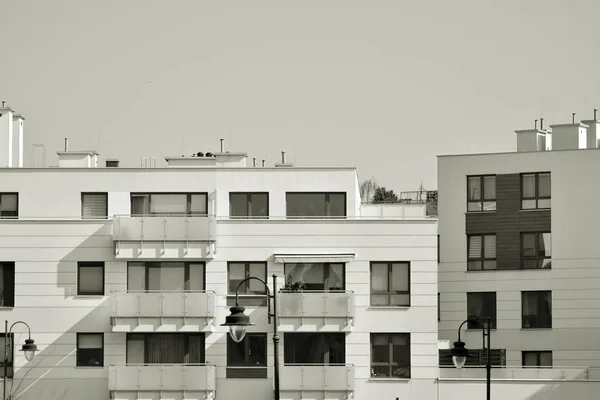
column 481, row 252
column 535, row 190
column 94, row 205
column 390, row 284
column 481, row 193
column 390, row 355
column 537, row 358
column 90, row 349
column 9, row 205
column 90, row 278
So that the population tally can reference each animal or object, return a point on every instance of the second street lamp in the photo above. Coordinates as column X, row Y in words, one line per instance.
column 29, row 348
column 237, row 322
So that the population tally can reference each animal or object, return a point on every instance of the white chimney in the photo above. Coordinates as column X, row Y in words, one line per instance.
column 571, row 136
column 18, row 120
column 6, row 136
column 77, row 159
column 593, row 131
column 531, row 140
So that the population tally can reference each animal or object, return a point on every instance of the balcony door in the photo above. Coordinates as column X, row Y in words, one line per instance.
column 169, row 204
column 321, row 277
column 165, row 276
column 314, row 348
column 165, row 348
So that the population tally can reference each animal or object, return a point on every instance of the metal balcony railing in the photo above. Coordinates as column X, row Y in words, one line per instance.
column 163, row 377
column 157, row 304
column 317, row 377
column 317, row 304
column 164, row 228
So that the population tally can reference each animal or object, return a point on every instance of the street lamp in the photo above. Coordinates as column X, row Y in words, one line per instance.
column 29, row 348
column 460, row 353
column 237, row 322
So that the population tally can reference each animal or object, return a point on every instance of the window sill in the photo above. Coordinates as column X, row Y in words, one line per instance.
column 6, row 307
column 480, row 212
column 388, row 308
column 89, row 366
column 85, row 296
column 535, row 209
column 507, row 270
column 396, row 380
column 536, row 329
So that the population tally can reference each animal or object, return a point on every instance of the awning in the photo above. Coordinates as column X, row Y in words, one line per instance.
column 314, row 258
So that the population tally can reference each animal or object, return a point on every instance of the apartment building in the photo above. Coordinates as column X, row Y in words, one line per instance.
column 125, row 276
column 517, row 244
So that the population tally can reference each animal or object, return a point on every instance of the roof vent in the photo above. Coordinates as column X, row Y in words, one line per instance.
column 209, row 154
column 283, row 162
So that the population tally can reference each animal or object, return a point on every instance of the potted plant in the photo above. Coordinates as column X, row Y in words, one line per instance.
column 292, row 287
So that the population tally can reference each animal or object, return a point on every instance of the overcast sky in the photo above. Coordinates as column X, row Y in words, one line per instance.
column 381, row 85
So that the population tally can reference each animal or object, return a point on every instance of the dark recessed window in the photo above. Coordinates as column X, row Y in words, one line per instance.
column 481, row 193
column 536, row 309
column 169, row 204
column 252, row 292
column 10, row 355
column 314, row 348
column 94, row 205
column 249, row 205
column 315, row 205
column 390, row 355
column 481, row 305
column 7, row 284
column 536, row 250
column 9, row 205
column 165, row 348
column 90, row 349
column 248, row 358
column 316, row 276
column 535, row 190
column 390, row 284
column 537, row 358
column 165, row 276
column 90, row 278
column 481, row 252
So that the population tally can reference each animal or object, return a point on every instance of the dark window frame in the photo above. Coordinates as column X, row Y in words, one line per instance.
column 327, row 339
column 482, row 259
column 389, row 291
column 17, row 212
column 390, row 355
column 482, row 198
column 537, row 258
column 188, row 212
column 326, row 267
column 249, row 205
column 246, row 285
column 8, row 268
column 78, row 361
column 11, row 360
column 536, row 196
column 539, row 304
column 327, row 206
column 186, row 341
column 494, row 317
column 538, row 354
column 105, row 216
column 186, row 272
column 246, row 370
column 86, row 264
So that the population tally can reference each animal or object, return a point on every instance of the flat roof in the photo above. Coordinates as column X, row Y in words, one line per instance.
column 514, row 152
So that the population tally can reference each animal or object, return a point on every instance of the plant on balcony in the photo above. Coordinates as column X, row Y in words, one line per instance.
column 375, row 374
column 401, row 372
column 292, row 287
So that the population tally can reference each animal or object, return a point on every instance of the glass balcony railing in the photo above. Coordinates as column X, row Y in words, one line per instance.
column 316, row 304
column 157, row 304
column 164, row 377
column 330, row 378
column 164, row 228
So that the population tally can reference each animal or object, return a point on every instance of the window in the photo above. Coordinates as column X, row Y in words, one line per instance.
column 315, row 205
column 7, row 284
column 90, row 278
column 390, row 355
column 165, row 276
column 536, row 250
column 314, row 348
column 9, row 205
column 481, row 193
column 94, row 205
column 169, row 204
column 236, row 273
column 481, row 305
column 481, row 252
column 536, row 309
column 535, row 190
column 165, row 348
column 10, row 355
column 318, row 276
column 390, row 284
column 249, row 205
column 90, row 349
column 537, row 358
column 248, row 358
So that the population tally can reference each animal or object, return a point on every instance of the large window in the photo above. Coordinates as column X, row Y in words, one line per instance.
column 390, row 284
column 165, row 348
column 536, row 250
column 536, row 309
column 90, row 278
column 481, row 193
column 248, row 205
column 481, row 252
column 537, row 358
column 252, row 292
column 248, row 358
column 314, row 348
column 535, row 190
column 10, row 355
column 169, row 204
column 9, row 205
column 165, row 276
column 481, row 305
column 315, row 205
column 390, row 355
column 318, row 277
column 94, row 205
column 90, row 349
column 7, row 284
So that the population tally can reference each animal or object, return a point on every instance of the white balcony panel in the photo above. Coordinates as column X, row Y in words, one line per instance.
column 172, row 228
column 311, row 378
column 167, row 378
column 316, row 311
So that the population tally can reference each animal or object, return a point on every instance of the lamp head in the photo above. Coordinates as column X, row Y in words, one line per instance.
column 29, row 348
column 237, row 322
column 459, row 354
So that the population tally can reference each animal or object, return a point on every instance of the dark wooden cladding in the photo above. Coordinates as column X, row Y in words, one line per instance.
column 508, row 221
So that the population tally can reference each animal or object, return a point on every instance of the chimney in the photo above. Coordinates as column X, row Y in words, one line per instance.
column 18, row 140
column 264, row 163
column 569, row 136
column 6, row 136
column 254, row 162
column 593, row 131
column 283, row 162
column 532, row 139
column 112, row 163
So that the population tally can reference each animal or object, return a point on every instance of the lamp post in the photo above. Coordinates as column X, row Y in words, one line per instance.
column 237, row 322
column 460, row 353
column 29, row 348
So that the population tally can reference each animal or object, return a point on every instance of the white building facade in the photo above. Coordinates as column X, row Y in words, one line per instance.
column 125, row 276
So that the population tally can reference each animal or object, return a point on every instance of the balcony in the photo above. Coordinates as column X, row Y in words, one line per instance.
column 150, row 311
column 179, row 236
column 198, row 381
column 318, row 378
column 312, row 311
column 523, row 373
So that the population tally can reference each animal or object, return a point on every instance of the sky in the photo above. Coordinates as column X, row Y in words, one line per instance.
column 383, row 85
